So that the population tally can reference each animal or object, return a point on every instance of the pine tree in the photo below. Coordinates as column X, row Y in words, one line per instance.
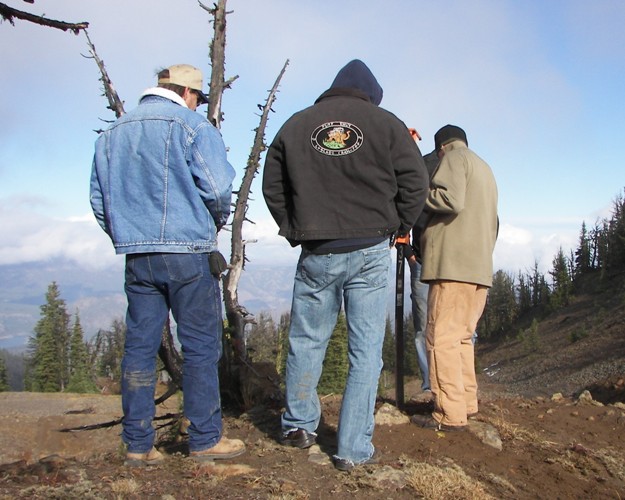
column 616, row 237
column 562, row 283
column 49, row 347
column 411, row 366
column 502, row 308
column 388, row 347
column 80, row 379
column 4, row 377
column 583, row 262
column 335, row 364
column 283, row 344
column 108, row 350
column 262, row 339
column 524, row 294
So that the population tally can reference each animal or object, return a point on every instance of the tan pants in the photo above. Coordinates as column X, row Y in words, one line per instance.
column 454, row 308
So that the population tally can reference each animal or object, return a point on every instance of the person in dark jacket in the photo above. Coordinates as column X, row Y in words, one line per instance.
column 340, row 178
column 418, row 289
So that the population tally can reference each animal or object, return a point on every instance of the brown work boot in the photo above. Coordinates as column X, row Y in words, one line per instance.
column 152, row 457
column 224, row 449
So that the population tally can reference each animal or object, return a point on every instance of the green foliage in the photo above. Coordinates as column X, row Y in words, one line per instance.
column 49, row 346
column 335, row 364
column 530, row 338
column 81, row 378
column 502, row 308
column 578, row 333
column 411, row 366
column 58, row 358
column 4, row 377
column 262, row 339
column 107, row 350
column 562, row 287
column 388, row 347
column 283, row 344
column 584, row 260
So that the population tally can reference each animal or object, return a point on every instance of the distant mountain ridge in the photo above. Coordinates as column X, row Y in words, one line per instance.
column 98, row 294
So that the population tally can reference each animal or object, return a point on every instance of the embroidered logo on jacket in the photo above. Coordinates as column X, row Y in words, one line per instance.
column 336, row 138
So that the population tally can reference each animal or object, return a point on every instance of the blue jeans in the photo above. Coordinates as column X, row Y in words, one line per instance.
column 419, row 296
column 154, row 284
column 322, row 282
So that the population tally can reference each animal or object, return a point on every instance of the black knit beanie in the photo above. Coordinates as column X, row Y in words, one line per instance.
column 447, row 134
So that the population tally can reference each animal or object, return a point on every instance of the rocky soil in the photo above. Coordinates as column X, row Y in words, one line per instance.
column 551, row 425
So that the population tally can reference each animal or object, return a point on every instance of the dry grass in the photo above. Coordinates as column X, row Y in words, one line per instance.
column 443, row 482
column 125, row 487
column 513, row 432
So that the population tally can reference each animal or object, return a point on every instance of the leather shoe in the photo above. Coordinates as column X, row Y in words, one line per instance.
column 428, row 422
column 152, row 457
column 299, row 438
column 346, row 465
column 224, row 449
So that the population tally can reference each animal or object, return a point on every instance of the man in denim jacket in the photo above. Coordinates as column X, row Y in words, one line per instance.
column 161, row 188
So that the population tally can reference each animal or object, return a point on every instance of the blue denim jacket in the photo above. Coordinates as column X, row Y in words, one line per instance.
column 160, row 180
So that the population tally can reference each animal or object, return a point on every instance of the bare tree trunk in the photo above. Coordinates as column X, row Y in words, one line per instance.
column 237, row 315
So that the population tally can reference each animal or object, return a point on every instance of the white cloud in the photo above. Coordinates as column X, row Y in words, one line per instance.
column 29, row 236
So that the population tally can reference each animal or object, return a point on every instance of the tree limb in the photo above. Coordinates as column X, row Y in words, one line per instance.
column 115, row 103
column 9, row 14
column 235, row 313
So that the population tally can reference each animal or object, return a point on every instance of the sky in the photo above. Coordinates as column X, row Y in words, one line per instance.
column 538, row 86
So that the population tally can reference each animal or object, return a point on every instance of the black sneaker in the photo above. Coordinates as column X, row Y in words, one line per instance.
column 346, row 465
column 299, row 438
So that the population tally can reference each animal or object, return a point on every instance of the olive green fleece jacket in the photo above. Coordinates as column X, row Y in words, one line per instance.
column 459, row 239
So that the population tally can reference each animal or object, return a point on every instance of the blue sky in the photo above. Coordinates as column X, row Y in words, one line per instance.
column 537, row 85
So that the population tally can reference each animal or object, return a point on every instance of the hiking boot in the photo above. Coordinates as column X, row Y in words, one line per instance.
column 428, row 422
column 224, row 449
column 298, row 438
column 347, row 465
column 152, row 457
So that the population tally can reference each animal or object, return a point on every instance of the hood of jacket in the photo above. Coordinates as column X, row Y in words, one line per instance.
column 356, row 75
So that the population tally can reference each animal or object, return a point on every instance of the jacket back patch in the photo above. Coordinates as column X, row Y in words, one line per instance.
column 336, row 138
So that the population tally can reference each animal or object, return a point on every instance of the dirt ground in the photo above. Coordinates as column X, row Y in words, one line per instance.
column 550, row 448
column 540, row 445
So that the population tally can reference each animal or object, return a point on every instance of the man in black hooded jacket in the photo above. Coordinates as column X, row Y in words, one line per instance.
column 340, row 178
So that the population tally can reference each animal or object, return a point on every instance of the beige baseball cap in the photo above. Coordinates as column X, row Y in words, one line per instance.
column 184, row 75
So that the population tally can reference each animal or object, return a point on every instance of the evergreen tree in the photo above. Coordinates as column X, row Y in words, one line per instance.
column 4, row 377
column 283, row 344
column 502, row 308
column 562, row 283
column 388, row 357
column 616, row 237
column 80, row 379
column 262, row 339
column 583, row 260
column 335, row 364
column 388, row 347
column 524, row 294
column 49, row 347
column 108, row 350
column 411, row 366
column 538, row 287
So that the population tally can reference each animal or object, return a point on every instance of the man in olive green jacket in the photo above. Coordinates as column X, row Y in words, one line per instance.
column 457, row 247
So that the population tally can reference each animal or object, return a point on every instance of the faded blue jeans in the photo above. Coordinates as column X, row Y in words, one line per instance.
column 419, row 296
column 154, row 284
column 322, row 282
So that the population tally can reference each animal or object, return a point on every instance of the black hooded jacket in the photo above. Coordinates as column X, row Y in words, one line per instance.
column 345, row 168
